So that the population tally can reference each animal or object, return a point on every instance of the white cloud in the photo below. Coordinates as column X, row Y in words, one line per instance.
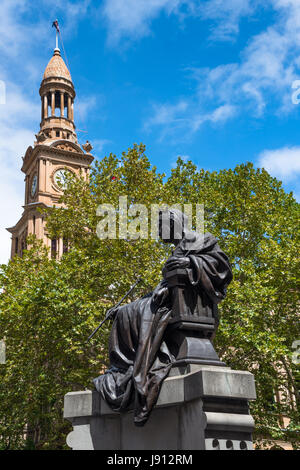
column 11, row 200
column 132, row 18
column 166, row 114
column 218, row 115
column 17, row 115
column 225, row 16
column 259, row 82
column 20, row 35
column 283, row 163
column 72, row 11
column 171, row 118
column 183, row 118
column 84, row 105
column 268, row 65
column 99, row 144
column 264, row 75
column 11, row 38
column 15, row 137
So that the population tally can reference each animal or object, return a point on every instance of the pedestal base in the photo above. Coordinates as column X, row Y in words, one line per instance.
column 197, row 351
column 206, row 407
column 189, row 347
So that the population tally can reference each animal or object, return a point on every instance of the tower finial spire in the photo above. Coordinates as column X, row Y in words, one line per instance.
column 56, row 26
column 57, row 93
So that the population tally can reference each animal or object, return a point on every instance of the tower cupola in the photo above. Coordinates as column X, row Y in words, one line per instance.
column 57, row 94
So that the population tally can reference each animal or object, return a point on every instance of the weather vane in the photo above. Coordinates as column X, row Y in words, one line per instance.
column 56, row 26
column 58, row 32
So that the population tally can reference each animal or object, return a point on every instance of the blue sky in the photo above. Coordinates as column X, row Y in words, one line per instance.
column 210, row 80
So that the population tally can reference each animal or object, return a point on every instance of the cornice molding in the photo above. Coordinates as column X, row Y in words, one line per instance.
column 46, row 151
column 55, row 84
column 31, row 207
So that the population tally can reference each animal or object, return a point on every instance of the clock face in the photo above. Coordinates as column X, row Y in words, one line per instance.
column 60, row 178
column 33, row 186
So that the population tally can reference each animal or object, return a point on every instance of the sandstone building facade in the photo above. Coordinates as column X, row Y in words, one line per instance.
column 55, row 152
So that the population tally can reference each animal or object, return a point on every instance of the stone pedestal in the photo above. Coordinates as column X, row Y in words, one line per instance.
column 199, row 408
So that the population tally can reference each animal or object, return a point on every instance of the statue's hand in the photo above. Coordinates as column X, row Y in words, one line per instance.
column 112, row 312
column 175, row 262
column 160, row 295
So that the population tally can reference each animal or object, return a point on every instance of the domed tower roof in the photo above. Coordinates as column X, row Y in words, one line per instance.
column 57, row 67
column 57, row 94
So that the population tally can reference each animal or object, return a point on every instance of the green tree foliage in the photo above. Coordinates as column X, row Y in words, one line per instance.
column 47, row 312
column 48, row 307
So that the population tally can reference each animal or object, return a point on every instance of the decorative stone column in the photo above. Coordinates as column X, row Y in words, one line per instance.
column 199, row 408
column 69, row 108
column 42, row 108
column 52, row 103
column 62, row 103
column 45, row 99
column 60, row 248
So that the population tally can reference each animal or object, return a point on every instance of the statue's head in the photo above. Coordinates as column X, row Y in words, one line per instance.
column 172, row 225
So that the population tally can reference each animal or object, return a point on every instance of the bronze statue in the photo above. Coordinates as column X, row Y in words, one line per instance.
column 172, row 326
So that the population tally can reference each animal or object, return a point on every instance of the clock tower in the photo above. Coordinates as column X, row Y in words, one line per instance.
column 55, row 151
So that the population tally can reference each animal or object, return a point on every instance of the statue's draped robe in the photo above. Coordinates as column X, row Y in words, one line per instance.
column 139, row 357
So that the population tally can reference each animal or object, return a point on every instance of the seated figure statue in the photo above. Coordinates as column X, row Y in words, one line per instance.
column 140, row 348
